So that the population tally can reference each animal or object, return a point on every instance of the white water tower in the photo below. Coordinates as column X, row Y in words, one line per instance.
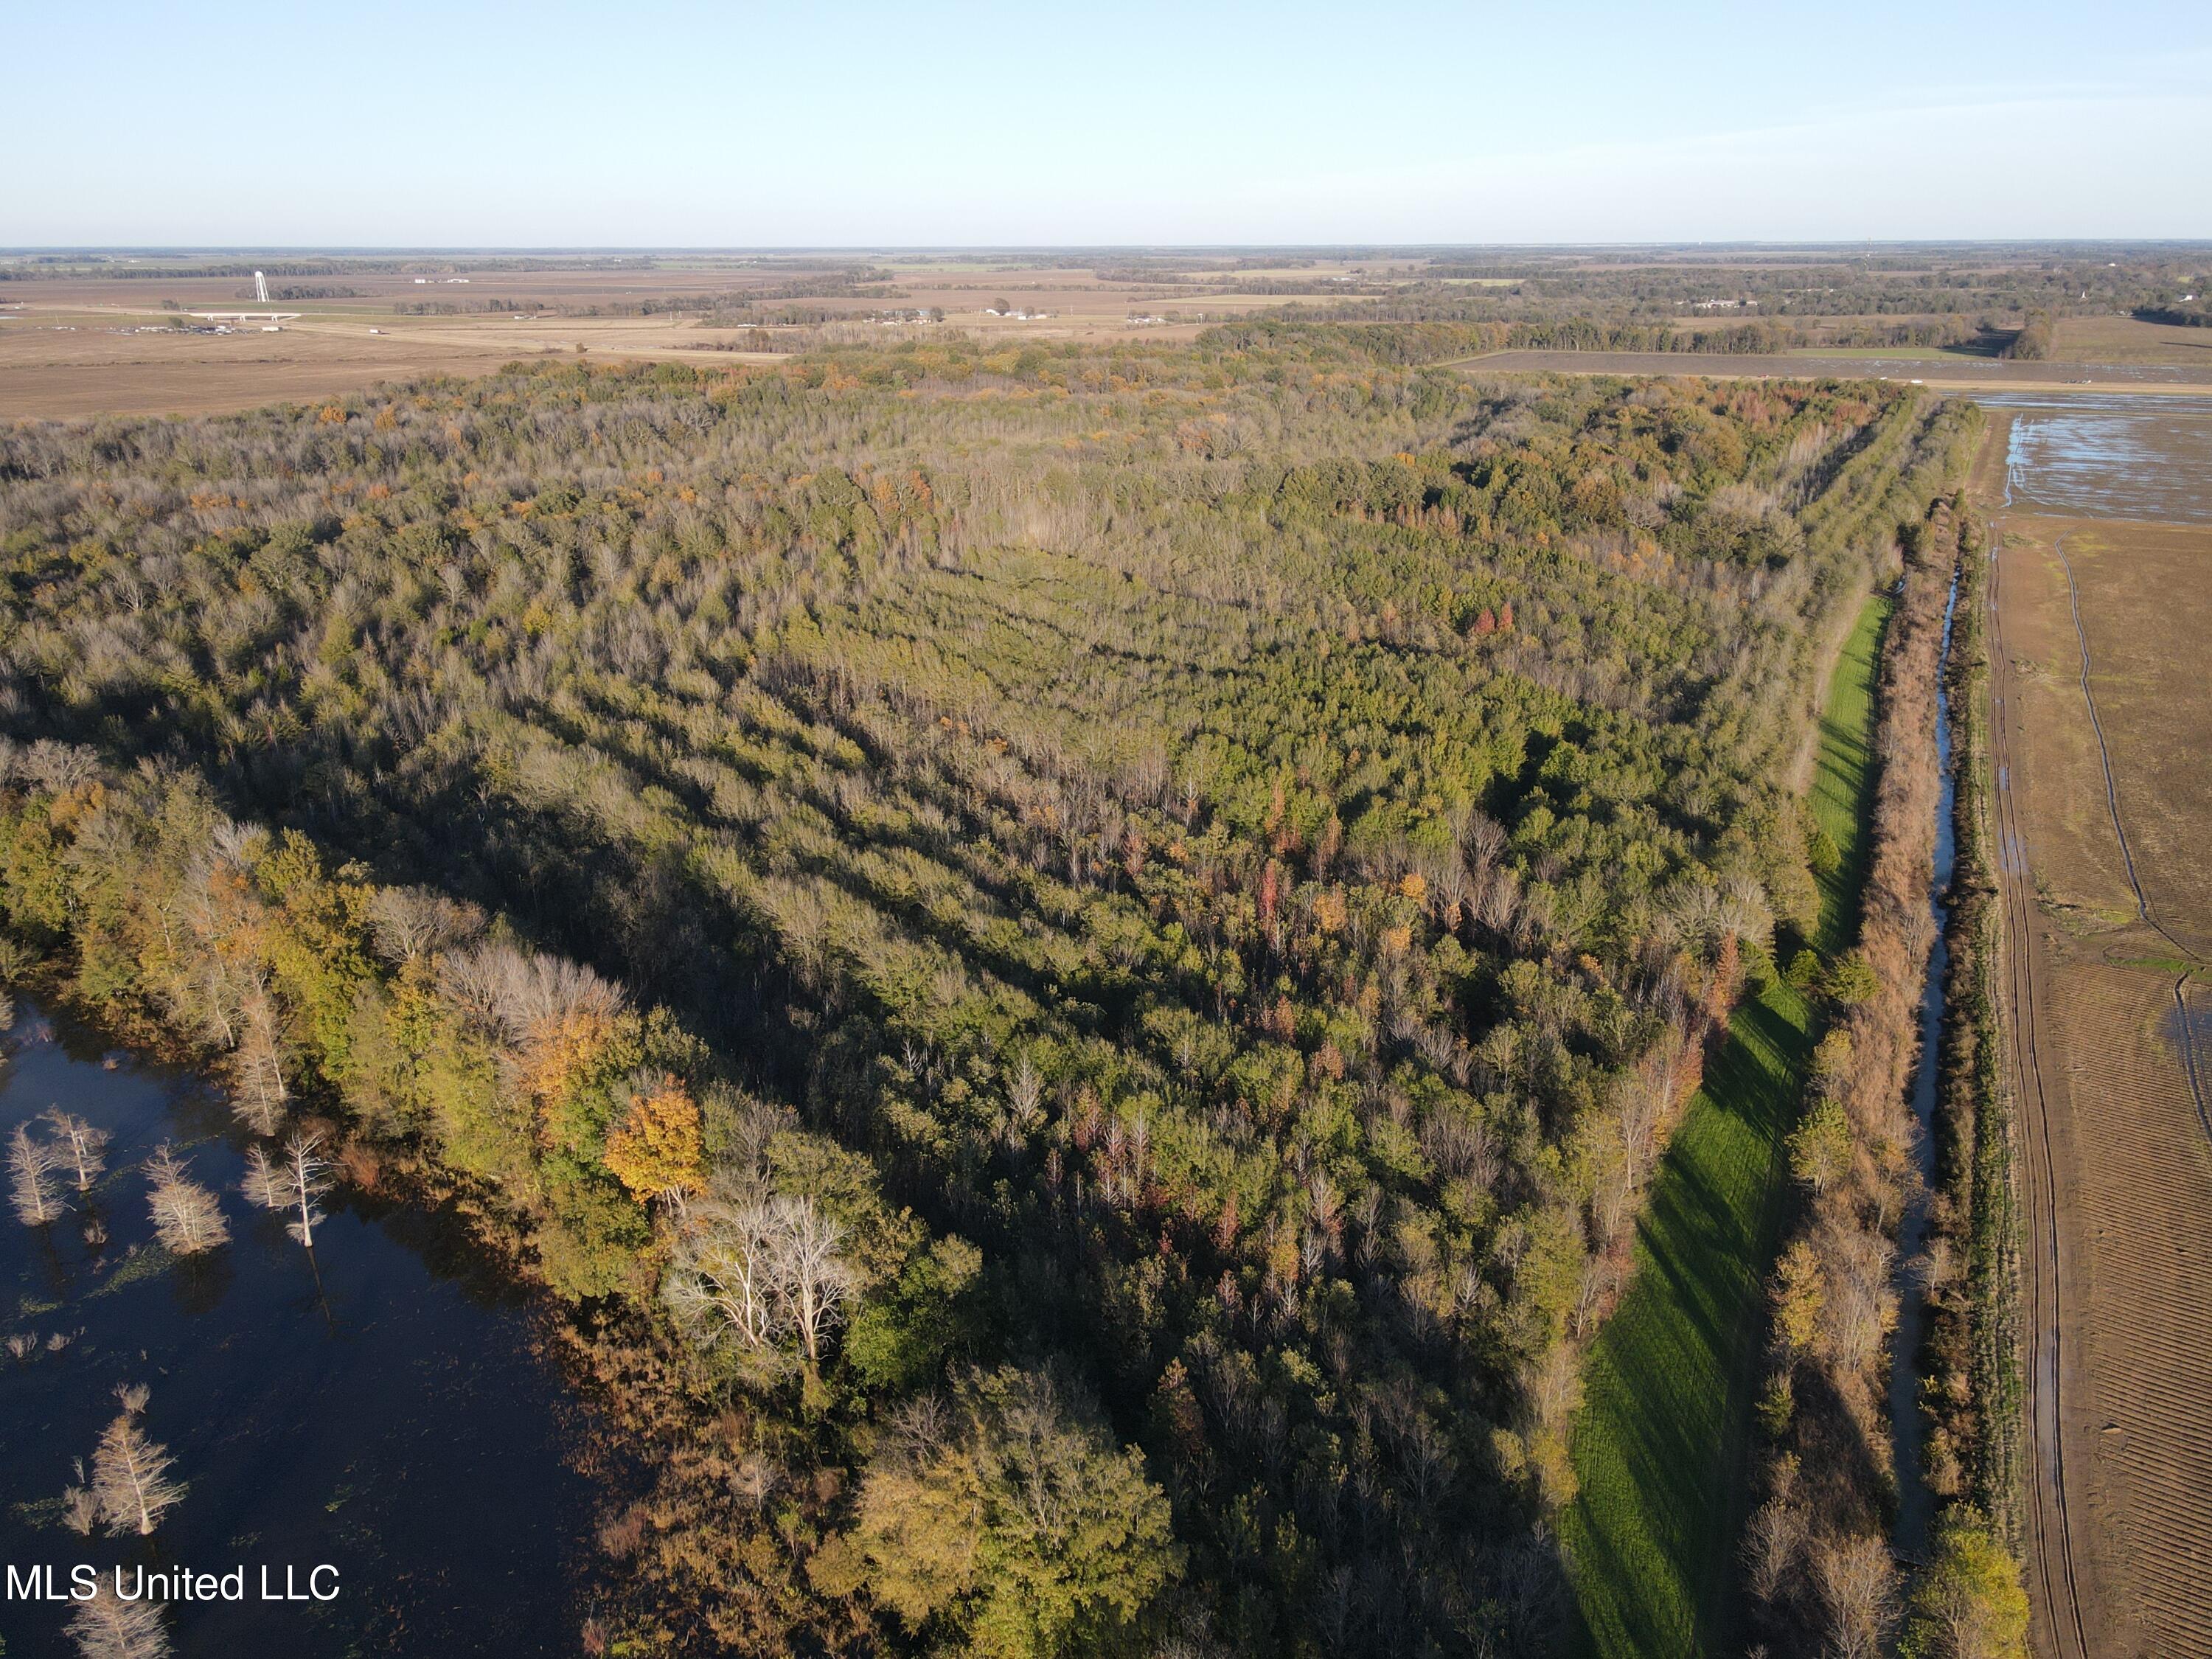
column 261, row 288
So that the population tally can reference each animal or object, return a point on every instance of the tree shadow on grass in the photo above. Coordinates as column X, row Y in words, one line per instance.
column 1671, row 1381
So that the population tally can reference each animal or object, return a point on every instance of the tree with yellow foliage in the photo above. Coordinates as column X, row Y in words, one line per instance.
column 1799, row 1295
column 655, row 1150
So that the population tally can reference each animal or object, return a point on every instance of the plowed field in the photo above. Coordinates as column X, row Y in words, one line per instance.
column 2104, row 802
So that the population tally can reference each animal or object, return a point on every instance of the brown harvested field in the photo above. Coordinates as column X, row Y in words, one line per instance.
column 90, row 365
column 2145, row 598
column 2117, row 1165
column 75, row 346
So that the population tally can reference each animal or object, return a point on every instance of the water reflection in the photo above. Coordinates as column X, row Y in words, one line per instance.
column 2109, row 455
column 378, row 1403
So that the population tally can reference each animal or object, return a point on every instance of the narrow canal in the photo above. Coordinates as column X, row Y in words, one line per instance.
column 1916, row 1505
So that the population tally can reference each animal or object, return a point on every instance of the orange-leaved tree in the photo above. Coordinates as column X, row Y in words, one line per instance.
column 655, row 1149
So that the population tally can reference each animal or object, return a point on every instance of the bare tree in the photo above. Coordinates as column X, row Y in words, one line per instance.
column 1024, row 1103
column 80, row 1509
column 1772, row 1540
column 30, row 1165
column 1858, row 1588
column 187, row 1217
column 261, row 1095
column 722, row 1285
column 409, row 922
column 80, row 1148
column 262, row 1183
column 108, row 1627
column 131, row 1472
column 307, row 1178
column 814, row 1280
column 753, row 1269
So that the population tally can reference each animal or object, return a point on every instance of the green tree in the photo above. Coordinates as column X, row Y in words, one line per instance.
column 1968, row 1603
column 1851, row 981
column 1016, row 1527
column 1800, row 1292
column 1820, row 1147
column 901, row 1341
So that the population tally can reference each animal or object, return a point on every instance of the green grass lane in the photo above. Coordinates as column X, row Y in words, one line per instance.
column 1662, row 1444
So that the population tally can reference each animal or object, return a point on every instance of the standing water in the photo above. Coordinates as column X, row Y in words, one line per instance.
column 377, row 1405
column 1915, row 1504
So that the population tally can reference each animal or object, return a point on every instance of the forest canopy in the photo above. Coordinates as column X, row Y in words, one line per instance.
column 1104, row 939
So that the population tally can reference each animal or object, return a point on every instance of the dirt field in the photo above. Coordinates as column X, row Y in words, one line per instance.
column 2099, row 707
column 73, row 347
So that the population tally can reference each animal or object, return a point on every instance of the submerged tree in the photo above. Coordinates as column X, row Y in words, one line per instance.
column 131, row 1472
column 261, row 1095
column 80, row 1507
column 30, row 1165
column 79, row 1147
column 262, row 1183
column 305, row 1178
column 108, row 1627
column 187, row 1216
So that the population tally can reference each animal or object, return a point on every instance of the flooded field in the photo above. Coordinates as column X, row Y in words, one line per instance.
column 378, row 1404
column 2109, row 455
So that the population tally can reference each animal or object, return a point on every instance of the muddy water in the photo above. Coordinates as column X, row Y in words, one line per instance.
column 379, row 1405
column 2108, row 456
column 1915, row 1503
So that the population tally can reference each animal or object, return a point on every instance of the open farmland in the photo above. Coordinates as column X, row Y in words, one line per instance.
column 2102, row 807
column 81, row 345
column 89, row 332
column 2127, row 340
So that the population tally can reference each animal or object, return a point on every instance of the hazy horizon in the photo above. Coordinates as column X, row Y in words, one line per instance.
column 696, row 127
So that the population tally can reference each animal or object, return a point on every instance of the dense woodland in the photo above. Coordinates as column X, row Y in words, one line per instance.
column 1075, row 961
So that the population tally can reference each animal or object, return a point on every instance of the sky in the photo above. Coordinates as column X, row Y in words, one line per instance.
column 660, row 124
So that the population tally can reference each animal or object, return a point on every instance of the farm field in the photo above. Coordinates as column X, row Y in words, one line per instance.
column 2126, row 340
column 88, row 332
column 71, row 347
column 1951, row 370
column 2100, row 705
column 1660, row 1447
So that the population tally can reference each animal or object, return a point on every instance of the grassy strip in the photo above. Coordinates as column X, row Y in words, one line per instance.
column 1843, row 787
column 1661, row 1443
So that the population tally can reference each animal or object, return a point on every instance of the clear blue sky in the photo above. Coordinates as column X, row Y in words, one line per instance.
column 664, row 123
